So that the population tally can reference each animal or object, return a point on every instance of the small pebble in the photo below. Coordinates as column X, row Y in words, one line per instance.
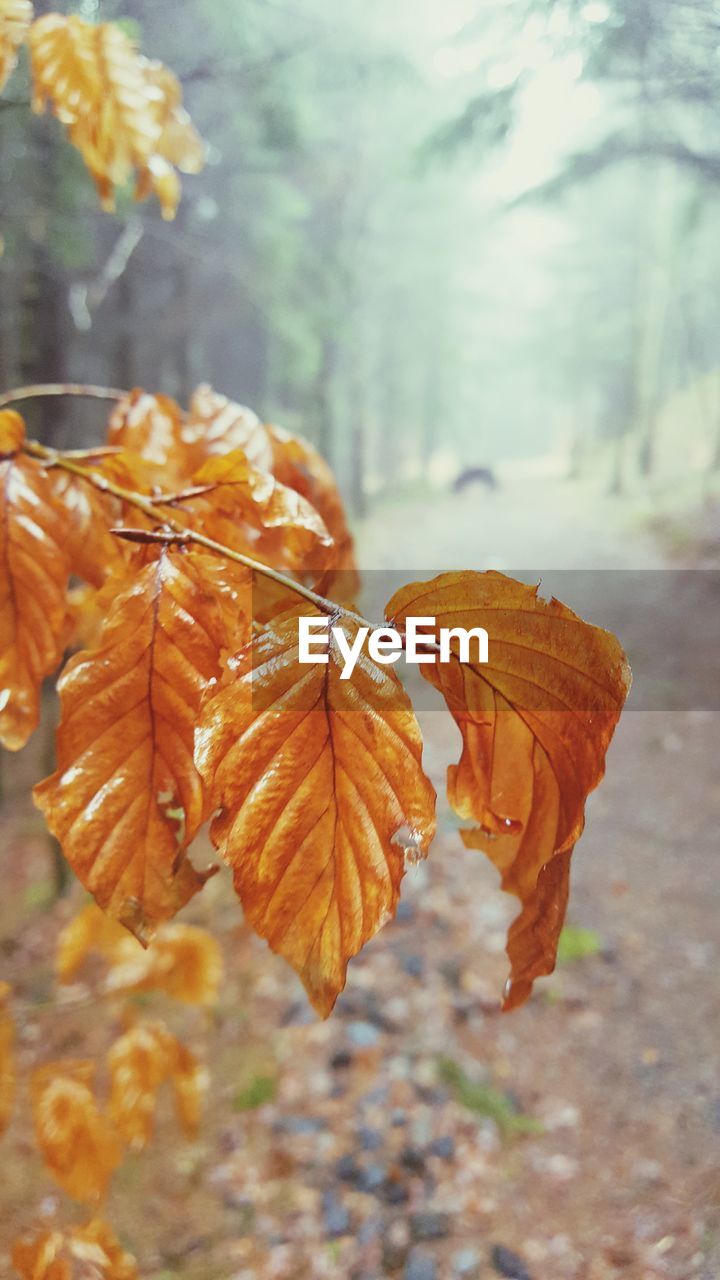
column 427, row 1224
column 508, row 1264
column 369, row 1139
column 466, row 1262
column 412, row 1158
column 443, row 1147
column 335, row 1215
column 398, row 1117
column 363, row 1034
column 340, row 1060
column 420, row 1266
column 413, row 966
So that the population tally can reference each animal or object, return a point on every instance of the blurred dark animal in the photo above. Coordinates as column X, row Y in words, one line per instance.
column 475, row 475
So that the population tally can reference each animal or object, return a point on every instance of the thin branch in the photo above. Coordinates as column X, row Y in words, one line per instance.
column 42, row 389
column 149, row 507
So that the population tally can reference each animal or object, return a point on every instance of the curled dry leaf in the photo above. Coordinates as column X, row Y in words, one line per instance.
column 77, row 1143
column 7, row 1059
column 151, row 427
column 34, row 571
column 121, row 111
column 126, row 799
column 51, row 1255
column 299, row 466
column 216, row 425
column 91, row 930
column 536, row 722
column 15, row 19
column 282, row 524
column 321, row 794
column 139, row 1062
column 182, row 961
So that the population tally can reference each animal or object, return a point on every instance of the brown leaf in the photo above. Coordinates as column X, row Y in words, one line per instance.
column 182, row 961
column 7, row 1059
column 536, row 722
column 121, row 111
column 15, row 19
column 152, row 427
column 77, row 1144
column 92, row 551
column 299, row 466
column 283, row 526
column 321, row 792
column 139, row 1063
column 126, row 798
column 33, row 576
column 41, row 1257
column 91, row 930
column 216, row 425
column 50, row 1255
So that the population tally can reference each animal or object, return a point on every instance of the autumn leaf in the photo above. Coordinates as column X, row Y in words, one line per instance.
column 137, row 1064
column 15, row 19
column 92, row 551
column 96, row 1244
column 122, row 114
column 91, row 930
column 126, row 799
column 7, row 1059
column 189, row 1079
column 322, row 799
column 41, row 1257
column 143, row 1059
column 282, row 524
column 33, row 576
column 151, row 427
column 299, row 466
column 78, row 1145
column 216, row 425
column 536, row 722
column 182, row 961
column 51, row 1255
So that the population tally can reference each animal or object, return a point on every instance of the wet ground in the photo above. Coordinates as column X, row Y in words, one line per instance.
column 419, row 1133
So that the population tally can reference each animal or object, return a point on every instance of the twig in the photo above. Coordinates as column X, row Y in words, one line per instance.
column 41, row 389
column 149, row 507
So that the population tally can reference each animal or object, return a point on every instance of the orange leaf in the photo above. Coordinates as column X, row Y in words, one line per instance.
column 40, row 1257
column 320, row 786
column 299, row 466
column 536, row 722
column 49, row 1255
column 90, row 930
column 150, row 426
column 138, row 1064
column 90, row 547
column 190, row 1084
column 78, row 1146
column 217, row 425
column 121, row 111
column 183, row 961
column 244, row 495
column 15, row 19
column 7, row 1059
column 33, row 576
column 126, row 798
column 97, row 1245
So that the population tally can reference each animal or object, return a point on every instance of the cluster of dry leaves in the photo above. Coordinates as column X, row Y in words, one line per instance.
column 175, row 561
column 121, row 110
column 186, row 697
column 81, row 1139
